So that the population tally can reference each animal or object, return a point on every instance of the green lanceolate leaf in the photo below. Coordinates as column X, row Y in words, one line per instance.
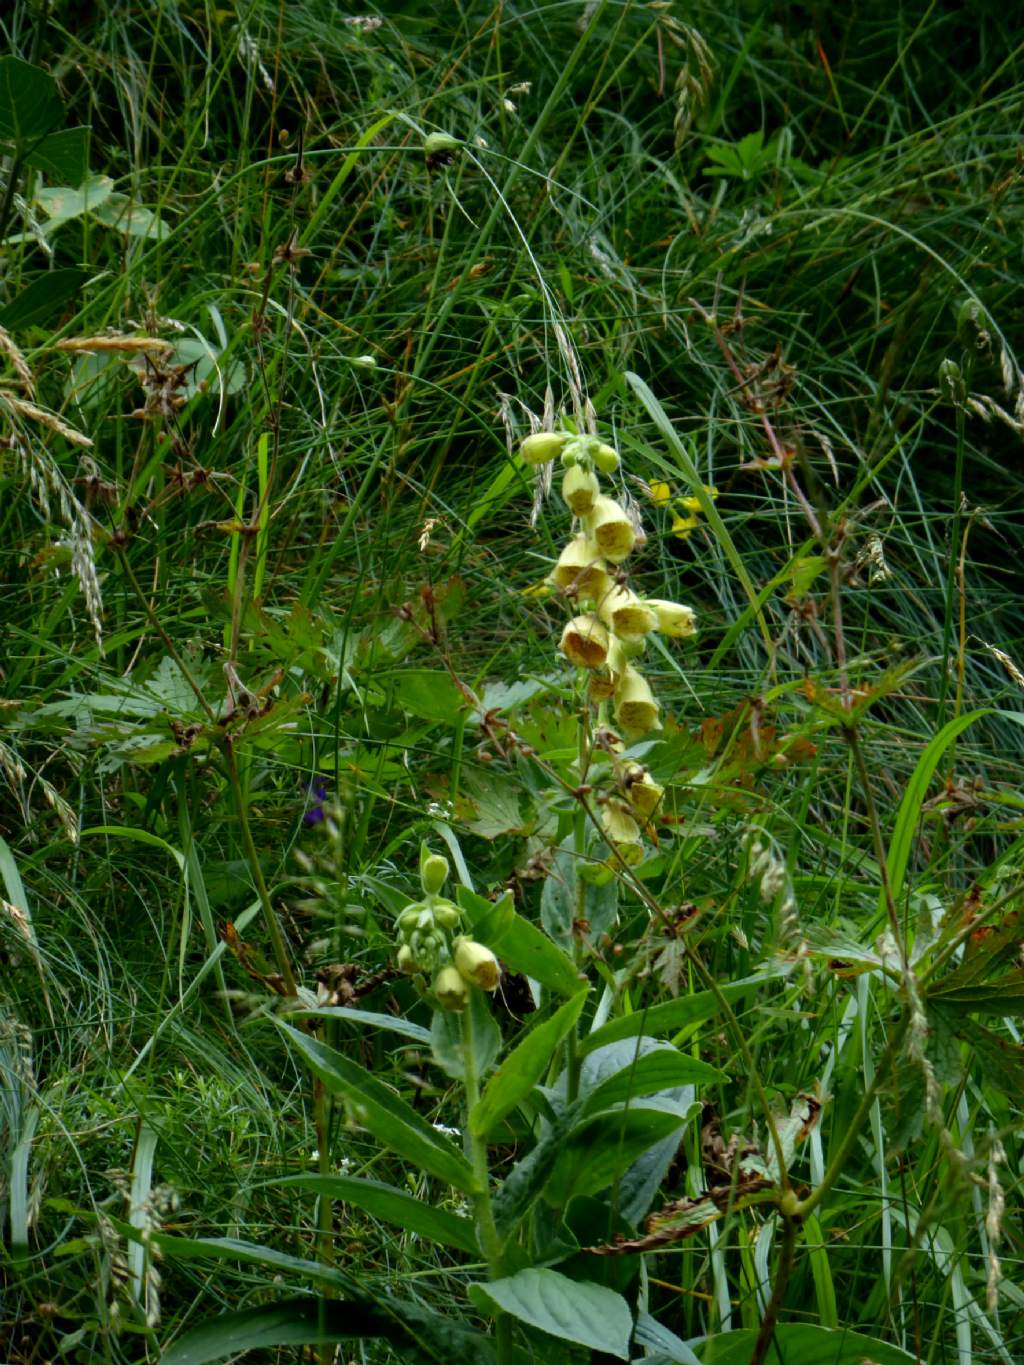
column 419, row 1337
column 662, row 1068
column 519, row 944
column 600, row 1148
column 380, row 1110
column 801, row 1344
column 45, row 296
column 393, row 1206
column 523, row 1067
column 522, row 1187
column 578, row 1311
column 393, row 1023
column 669, row 1017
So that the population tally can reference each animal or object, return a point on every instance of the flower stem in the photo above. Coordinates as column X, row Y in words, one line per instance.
column 486, row 1228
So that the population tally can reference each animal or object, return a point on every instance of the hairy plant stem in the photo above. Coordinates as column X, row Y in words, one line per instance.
column 487, row 1231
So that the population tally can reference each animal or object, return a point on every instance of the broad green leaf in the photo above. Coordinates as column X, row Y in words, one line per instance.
column 417, row 1335
column 522, row 1187
column 1002, row 996
column 651, row 1333
column 603, row 1146
column 394, row 1023
column 663, row 1068
column 495, row 806
column 64, row 156
column 30, row 103
column 578, row 1311
column 801, row 1344
column 387, row 1116
column 670, row 1016
column 523, row 1067
column 519, row 944
column 392, row 1205
column 447, row 1044
column 40, row 300
column 60, row 202
column 427, row 693
column 120, row 212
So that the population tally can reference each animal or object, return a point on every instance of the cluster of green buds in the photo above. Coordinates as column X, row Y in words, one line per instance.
column 609, row 634
column 430, row 946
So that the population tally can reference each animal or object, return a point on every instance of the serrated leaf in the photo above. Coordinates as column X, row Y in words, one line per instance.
column 392, row 1205
column 61, row 203
column 384, row 1113
column 523, row 1067
column 30, row 103
column 121, row 213
column 578, row 1311
column 427, row 693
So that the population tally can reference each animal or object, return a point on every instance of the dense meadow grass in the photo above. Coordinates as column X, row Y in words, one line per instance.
column 282, row 290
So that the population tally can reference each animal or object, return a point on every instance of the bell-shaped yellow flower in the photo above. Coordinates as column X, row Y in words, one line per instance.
column 625, row 615
column 635, row 707
column 611, row 529
column 585, row 642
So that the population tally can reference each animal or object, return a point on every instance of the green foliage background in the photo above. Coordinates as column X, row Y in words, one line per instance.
column 316, row 485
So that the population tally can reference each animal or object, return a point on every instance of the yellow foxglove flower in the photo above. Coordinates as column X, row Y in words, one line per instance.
column 477, row 964
column 579, row 489
column 585, row 642
column 611, row 529
column 623, row 833
column 450, row 989
column 407, row 963
column 542, row 446
column 602, row 686
column 581, row 570
column 645, row 795
column 625, row 615
column 673, row 618
column 621, row 654
column 635, row 708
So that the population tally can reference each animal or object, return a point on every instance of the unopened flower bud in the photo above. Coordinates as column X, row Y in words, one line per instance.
column 580, row 569
column 406, row 960
column 477, row 964
column 673, row 618
column 584, row 642
column 635, row 708
column 605, row 457
column 446, row 914
column 971, row 328
column 451, row 990
column 437, row 144
column 542, row 447
column 433, row 871
column 951, row 382
column 611, row 529
column 579, row 489
column 626, row 616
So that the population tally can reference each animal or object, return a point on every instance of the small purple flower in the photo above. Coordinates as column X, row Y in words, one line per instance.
column 316, row 792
